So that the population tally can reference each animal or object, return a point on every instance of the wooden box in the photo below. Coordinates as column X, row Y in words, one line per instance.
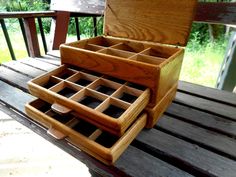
column 105, row 83
column 101, row 145
column 141, row 44
column 109, row 103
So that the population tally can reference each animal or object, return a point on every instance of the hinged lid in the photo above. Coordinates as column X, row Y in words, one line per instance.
column 163, row 21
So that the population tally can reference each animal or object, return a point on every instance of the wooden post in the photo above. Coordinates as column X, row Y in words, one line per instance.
column 59, row 28
column 32, row 38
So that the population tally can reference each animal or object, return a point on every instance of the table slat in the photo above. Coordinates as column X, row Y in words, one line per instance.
column 182, row 153
column 203, row 119
column 206, row 105
column 208, row 139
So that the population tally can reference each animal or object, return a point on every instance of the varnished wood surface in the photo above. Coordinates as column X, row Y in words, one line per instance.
column 166, row 22
column 193, row 138
column 145, row 63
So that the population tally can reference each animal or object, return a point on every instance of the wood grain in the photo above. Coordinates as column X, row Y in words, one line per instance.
column 188, row 156
column 58, row 31
column 104, row 154
column 145, row 71
column 203, row 119
column 154, row 113
column 23, row 68
column 166, row 22
column 221, row 13
column 97, row 116
column 32, row 38
column 207, row 105
column 207, row 138
column 14, row 78
column 208, row 93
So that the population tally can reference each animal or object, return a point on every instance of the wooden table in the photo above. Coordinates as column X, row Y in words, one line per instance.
column 195, row 137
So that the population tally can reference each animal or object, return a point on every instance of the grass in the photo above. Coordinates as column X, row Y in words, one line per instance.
column 201, row 63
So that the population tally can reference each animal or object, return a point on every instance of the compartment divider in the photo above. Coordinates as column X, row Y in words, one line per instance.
column 102, row 50
column 145, row 50
column 116, row 45
column 117, row 91
column 120, row 103
column 95, row 134
column 71, row 76
column 94, row 47
column 58, row 78
column 58, row 87
column 116, row 52
column 149, row 59
column 72, row 122
column 103, row 105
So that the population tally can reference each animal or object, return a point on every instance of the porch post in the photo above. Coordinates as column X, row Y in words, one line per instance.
column 59, row 28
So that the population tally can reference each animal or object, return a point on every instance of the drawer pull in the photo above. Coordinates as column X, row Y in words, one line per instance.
column 58, row 108
column 56, row 134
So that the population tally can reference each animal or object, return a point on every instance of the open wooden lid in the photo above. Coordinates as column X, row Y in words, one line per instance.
column 162, row 21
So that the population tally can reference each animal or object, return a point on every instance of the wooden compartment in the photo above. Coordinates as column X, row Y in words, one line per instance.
column 99, row 144
column 132, row 46
column 136, row 62
column 110, row 105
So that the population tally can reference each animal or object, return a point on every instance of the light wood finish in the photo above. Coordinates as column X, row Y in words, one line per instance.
column 145, row 63
column 107, row 155
column 169, row 74
column 156, row 112
column 96, row 111
column 166, row 22
column 60, row 109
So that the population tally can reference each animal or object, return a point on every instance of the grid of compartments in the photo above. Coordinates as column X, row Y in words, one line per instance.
column 153, row 54
column 83, row 134
column 118, row 101
column 152, row 65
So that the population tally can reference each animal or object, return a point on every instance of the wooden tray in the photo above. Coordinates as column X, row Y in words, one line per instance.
column 152, row 65
column 101, row 145
column 106, row 102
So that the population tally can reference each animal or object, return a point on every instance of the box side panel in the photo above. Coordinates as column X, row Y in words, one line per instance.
column 156, row 112
column 169, row 74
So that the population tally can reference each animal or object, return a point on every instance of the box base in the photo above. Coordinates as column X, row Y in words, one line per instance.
column 156, row 112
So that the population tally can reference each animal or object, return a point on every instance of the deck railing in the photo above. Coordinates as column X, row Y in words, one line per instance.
column 211, row 13
column 28, row 28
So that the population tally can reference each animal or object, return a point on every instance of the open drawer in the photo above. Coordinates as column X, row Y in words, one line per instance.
column 109, row 103
column 100, row 144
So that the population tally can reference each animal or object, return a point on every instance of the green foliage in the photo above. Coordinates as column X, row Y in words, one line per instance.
column 86, row 26
column 203, row 58
column 24, row 5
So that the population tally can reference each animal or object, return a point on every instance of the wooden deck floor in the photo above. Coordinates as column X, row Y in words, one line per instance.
column 196, row 135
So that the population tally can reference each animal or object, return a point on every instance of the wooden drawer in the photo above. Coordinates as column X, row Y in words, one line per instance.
column 106, row 102
column 148, row 64
column 99, row 144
